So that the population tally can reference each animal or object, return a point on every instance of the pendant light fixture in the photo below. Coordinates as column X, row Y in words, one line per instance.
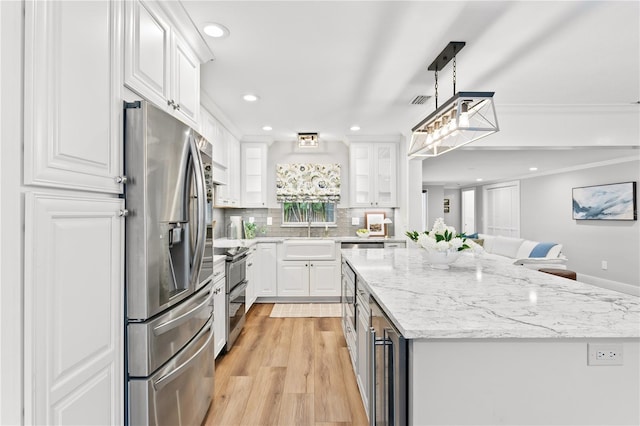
column 464, row 118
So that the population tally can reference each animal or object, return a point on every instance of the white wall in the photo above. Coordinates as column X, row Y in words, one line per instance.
column 288, row 152
column 454, row 217
column 436, row 203
column 546, row 215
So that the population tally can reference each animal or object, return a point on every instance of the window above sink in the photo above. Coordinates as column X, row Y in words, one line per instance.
column 301, row 214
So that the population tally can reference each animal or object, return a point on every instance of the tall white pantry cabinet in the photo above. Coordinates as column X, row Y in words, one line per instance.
column 72, row 235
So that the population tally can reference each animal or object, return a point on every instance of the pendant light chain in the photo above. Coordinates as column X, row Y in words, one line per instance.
column 436, row 89
column 454, row 75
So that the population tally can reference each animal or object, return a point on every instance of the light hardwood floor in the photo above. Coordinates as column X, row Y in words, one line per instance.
column 286, row 371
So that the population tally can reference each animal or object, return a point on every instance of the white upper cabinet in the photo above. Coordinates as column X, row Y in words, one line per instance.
column 233, row 147
column 254, row 174
column 213, row 132
column 159, row 65
column 373, row 174
column 147, row 55
column 72, row 105
column 186, row 81
column 229, row 195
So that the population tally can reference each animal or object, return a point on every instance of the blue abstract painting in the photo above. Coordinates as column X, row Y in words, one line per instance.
column 616, row 201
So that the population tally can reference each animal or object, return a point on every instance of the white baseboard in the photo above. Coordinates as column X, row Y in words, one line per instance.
column 609, row 284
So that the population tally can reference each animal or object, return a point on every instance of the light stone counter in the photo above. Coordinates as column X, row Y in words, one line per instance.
column 482, row 298
column 226, row 242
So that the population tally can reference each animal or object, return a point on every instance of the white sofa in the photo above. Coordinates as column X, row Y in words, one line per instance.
column 531, row 254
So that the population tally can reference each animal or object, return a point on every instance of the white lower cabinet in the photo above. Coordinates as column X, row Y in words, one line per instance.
column 293, row 278
column 219, row 307
column 73, row 309
column 309, row 278
column 267, row 270
column 252, row 277
column 362, row 357
column 324, row 278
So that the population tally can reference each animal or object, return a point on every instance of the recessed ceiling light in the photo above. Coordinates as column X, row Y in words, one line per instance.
column 533, row 169
column 215, row 30
column 267, row 128
column 250, row 98
column 355, row 128
column 479, row 180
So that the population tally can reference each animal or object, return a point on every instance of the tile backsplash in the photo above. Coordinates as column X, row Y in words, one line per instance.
column 342, row 227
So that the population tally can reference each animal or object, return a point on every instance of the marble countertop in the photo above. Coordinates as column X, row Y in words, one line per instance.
column 227, row 243
column 484, row 298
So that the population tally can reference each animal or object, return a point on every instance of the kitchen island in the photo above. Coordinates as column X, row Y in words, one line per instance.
column 493, row 343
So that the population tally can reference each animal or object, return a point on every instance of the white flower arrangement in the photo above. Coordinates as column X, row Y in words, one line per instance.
column 441, row 238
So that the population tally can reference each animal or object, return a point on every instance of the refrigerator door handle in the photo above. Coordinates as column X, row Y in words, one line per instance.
column 167, row 378
column 170, row 325
column 201, row 195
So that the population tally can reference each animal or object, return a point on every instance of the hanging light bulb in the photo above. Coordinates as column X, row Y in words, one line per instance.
column 429, row 138
column 453, row 124
column 436, row 130
column 464, row 115
column 444, row 130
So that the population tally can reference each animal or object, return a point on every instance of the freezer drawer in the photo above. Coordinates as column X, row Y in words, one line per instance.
column 154, row 342
column 181, row 391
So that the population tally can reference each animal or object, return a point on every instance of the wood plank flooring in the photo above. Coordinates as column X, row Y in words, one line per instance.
column 286, row 371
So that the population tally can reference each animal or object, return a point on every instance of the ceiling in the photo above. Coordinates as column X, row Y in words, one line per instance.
column 324, row 66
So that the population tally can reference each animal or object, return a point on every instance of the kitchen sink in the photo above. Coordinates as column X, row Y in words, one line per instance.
column 308, row 249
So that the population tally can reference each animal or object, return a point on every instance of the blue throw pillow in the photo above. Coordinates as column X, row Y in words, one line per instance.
column 473, row 236
column 541, row 249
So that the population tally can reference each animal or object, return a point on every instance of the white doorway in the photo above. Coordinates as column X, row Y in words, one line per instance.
column 425, row 209
column 502, row 209
column 469, row 211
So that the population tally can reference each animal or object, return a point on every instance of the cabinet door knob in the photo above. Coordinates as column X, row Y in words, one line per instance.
column 170, row 103
column 121, row 179
column 176, row 106
column 123, row 213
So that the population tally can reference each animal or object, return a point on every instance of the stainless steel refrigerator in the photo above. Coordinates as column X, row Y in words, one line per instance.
column 169, row 295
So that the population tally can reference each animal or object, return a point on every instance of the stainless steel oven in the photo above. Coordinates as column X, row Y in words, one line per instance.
column 236, row 293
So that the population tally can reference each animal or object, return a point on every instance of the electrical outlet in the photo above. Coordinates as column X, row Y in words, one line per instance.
column 604, row 265
column 269, row 220
column 605, row 354
column 355, row 221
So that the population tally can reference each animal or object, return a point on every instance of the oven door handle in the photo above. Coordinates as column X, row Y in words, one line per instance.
column 235, row 292
column 170, row 325
column 167, row 378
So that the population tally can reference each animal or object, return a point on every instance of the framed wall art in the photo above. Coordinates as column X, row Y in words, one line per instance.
column 614, row 201
column 374, row 222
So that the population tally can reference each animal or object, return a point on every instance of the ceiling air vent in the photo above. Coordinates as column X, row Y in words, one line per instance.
column 420, row 100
